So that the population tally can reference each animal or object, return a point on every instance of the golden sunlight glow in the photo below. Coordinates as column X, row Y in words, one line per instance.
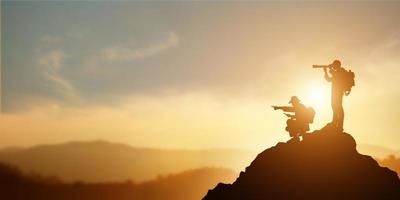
column 318, row 96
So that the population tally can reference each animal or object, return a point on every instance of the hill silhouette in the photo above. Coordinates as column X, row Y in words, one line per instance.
column 101, row 161
column 16, row 185
column 392, row 162
column 325, row 165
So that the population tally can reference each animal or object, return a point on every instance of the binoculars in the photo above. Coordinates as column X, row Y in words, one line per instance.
column 321, row 66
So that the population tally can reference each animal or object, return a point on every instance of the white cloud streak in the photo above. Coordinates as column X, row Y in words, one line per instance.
column 119, row 53
column 51, row 62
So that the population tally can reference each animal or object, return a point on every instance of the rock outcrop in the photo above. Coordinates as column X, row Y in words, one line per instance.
column 325, row 165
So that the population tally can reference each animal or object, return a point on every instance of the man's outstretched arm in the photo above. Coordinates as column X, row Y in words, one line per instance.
column 284, row 108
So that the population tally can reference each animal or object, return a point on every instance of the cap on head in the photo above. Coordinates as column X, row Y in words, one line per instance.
column 294, row 99
column 336, row 64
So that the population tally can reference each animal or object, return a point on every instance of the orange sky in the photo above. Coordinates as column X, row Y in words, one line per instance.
column 193, row 75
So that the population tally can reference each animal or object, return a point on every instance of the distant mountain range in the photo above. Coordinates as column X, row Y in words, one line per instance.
column 101, row 161
column 377, row 151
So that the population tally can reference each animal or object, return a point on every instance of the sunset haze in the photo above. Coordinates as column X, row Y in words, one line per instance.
column 193, row 75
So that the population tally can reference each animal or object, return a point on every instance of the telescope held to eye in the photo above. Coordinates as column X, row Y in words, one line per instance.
column 322, row 66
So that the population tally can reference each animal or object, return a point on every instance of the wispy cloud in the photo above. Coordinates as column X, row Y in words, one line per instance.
column 50, row 39
column 124, row 53
column 51, row 63
column 52, row 60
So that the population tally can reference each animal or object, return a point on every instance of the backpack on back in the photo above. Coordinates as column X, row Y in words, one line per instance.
column 348, row 81
column 309, row 114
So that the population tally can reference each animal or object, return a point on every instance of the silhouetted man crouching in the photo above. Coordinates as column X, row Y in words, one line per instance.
column 298, row 123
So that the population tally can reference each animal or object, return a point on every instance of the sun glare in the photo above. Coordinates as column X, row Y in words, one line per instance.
column 318, row 96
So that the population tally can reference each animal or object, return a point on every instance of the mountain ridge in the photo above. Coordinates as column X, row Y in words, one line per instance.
column 102, row 161
column 37, row 158
column 365, row 148
column 325, row 165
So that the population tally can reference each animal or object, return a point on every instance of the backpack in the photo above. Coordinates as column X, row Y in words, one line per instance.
column 348, row 81
column 309, row 114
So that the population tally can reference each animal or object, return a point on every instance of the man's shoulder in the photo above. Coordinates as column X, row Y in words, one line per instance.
column 302, row 106
column 342, row 70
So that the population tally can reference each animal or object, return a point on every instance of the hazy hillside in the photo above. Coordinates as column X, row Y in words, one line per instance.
column 391, row 162
column 377, row 151
column 103, row 161
column 188, row 185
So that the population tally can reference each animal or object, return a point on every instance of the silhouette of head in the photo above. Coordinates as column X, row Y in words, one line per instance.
column 336, row 64
column 294, row 100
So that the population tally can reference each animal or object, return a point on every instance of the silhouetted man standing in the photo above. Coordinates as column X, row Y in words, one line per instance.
column 342, row 81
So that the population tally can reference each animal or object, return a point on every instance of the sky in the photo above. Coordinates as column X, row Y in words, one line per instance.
column 193, row 74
